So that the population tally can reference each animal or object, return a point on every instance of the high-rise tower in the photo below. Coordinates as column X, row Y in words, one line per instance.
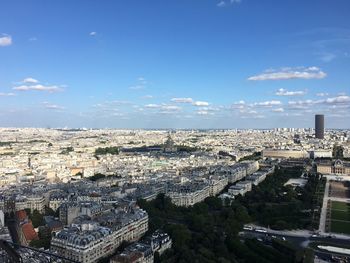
column 319, row 126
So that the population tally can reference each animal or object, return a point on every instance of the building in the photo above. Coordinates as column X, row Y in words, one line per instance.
column 333, row 167
column 320, row 154
column 256, row 178
column 56, row 200
column 89, row 241
column 143, row 251
column 24, row 228
column 68, row 212
column 169, row 146
column 216, row 185
column 188, row 194
column 135, row 253
column 319, row 126
column 240, row 188
column 281, row 153
column 36, row 202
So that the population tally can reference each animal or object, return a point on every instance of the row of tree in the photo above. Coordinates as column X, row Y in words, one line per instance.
column 107, row 150
column 208, row 231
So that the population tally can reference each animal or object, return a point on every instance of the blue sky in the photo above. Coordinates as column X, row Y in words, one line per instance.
column 174, row 64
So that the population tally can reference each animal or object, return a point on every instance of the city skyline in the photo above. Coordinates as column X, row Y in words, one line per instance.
column 179, row 64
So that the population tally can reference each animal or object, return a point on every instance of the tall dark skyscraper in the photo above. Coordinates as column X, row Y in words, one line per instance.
column 319, row 126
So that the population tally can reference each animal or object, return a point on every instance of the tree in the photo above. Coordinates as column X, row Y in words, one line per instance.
column 107, row 150
column 37, row 218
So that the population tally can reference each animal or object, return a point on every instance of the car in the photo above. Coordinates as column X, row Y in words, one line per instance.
column 314, row 235
column 247, row 228
column 260, row 230
column 283, row 238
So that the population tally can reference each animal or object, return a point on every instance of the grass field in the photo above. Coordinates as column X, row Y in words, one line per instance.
column 340, row 217
column 340, row 227
column 340, row 206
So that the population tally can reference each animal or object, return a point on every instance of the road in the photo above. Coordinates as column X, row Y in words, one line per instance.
column 300, row 238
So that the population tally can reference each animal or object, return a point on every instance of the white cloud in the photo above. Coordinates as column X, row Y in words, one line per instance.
column 211, row 109
column 260, row 116
column 190, row 100
column 137, row 87
column 50, row 106
column 163, row 108
column 338, row 100
column 140, row 85
column 170, row 108
column 153, row 106
column 204, row 112
column 221, row 4
column 182, row 100
column 7, row 94
column 147, row 97
column 38, row 87
column 29, row 84
column 118, row 114
column 238, row 105
column 30, row 80
column 302, row 102
column 284, row 92
column 93, row 33
column 142, row 80
column 327, row 57
column 278, row 110
column 343, row 99
column 291, row 73
column 5, row 40
column 200, row 103
column 268, row 103
column 322, row 94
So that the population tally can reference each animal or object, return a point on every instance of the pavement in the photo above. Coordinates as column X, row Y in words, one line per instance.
column 339, row 199
column 323, row 215
column 326, row 198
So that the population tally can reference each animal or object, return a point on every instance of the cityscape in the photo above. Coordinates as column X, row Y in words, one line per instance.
column 162, row 142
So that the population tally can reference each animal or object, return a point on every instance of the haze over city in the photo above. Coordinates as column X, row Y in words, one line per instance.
column 174, row 64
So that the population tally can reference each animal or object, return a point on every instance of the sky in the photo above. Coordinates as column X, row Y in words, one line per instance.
column 174, row 63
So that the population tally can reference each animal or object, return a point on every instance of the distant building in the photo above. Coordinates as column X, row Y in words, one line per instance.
column 240, row 188
column 281, row 153
column 320, row 154
column 188, row 194
column 169, row 146
column 319, row 126
column 334, row 167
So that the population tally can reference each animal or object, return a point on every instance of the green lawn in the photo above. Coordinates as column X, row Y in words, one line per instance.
column 341, row 215
column 340, row 206
column 340, row 227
